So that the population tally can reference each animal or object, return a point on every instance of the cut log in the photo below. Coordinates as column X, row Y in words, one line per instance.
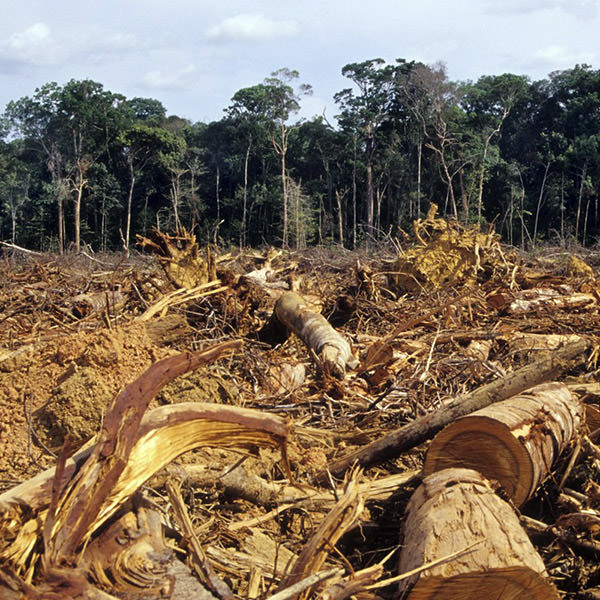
column 332, row 349
column 424, row 428
column 456, row 512
column 514, row 442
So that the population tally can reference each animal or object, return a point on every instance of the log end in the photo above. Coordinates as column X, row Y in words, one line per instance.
column 487, row 446
column 515, row 583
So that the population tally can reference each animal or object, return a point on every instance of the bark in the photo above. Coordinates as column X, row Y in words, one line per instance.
column 513, row 442
column 457, row 510
column 332, row 350
column 424, row 428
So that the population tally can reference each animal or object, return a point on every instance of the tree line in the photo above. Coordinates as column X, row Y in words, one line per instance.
column 82, row 165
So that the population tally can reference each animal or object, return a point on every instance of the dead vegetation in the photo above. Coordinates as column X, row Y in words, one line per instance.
column 264, row 418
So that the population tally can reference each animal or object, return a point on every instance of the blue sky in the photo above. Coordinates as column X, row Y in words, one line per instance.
column 193, row 55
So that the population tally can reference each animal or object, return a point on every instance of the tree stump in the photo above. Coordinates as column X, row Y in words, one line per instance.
column 514, row 442
column 456, row 512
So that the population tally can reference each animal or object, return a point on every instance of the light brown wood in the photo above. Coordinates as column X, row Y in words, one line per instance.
column 455, row 510
column 332, row 349
column 513, row 442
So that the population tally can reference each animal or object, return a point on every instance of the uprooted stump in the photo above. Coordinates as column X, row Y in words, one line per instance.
column 180, row 258
column 446, row 253
column 514, row 442
column 470, row 542
column 71, row 517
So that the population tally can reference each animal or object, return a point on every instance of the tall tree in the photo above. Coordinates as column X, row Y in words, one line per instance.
column 284, row 102
column 364, row 110
column 488, row 103
column 145, row 146
column 278, row 100
column 73, row 125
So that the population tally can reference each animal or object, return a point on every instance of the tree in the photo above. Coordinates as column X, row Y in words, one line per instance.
column 273, row 103
column 284, row 102
column 364, row 111
column 250, row 114
column 73, row 125
column 14, row 185
column 487, row 104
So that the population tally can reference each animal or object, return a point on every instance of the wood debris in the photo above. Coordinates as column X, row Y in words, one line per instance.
column 246, row 467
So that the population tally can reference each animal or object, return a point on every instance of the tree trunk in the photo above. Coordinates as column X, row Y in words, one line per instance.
column 580, row 199
column 13, row 222
column 540, row 202
column 419, row 175
column 245, row 196
column 514, row 442
column 455, row 519
column 354, row 192
column 370, row 192
column 129, row 203
column 314, row 330
column 338, row 197
column 61, row 220
column 78, row 196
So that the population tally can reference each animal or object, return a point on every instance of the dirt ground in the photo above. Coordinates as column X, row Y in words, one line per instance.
column 74, row 331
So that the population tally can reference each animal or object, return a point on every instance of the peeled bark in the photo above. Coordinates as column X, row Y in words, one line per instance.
column 46, row 522
column 514, row 442
column 456, row 513
column 331, row 348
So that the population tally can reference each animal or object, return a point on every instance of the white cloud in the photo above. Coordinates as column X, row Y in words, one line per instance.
column 32, row 45
column 39, row 46
column 169, row 79
column 252, row 27
column 32, row 36
column 584, row 9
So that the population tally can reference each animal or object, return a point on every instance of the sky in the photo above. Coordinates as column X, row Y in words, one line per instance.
column 193, row 55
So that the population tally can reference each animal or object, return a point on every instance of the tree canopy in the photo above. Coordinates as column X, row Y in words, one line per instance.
column 80, row 165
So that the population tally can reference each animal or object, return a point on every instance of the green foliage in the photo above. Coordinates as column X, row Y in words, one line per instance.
column 79, row 159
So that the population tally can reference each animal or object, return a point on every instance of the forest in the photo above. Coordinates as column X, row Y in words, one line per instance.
column 83, row 167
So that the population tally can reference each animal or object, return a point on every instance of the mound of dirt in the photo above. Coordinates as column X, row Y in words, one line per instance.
column 74, row 410
column 62, row 387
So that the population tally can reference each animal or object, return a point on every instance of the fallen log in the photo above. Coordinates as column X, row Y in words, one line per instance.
column 330, row 347
column 424, row 428
column 514, row 442
column 455, row 510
